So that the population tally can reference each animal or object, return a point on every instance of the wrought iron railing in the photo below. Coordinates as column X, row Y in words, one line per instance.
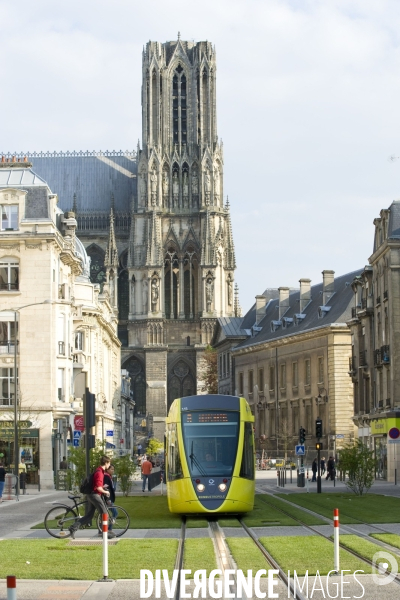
column 8, row 347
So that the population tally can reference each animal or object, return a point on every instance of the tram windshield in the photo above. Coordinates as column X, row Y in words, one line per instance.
column 211, row 441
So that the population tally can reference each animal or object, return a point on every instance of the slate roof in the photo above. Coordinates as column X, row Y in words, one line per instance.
column 231, row 326
column 250, row 317
column 23, row 177
column 394, row 220
column 340, row 305
column 92, row 176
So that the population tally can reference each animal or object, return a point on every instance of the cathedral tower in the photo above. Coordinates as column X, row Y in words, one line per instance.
column 181, row 257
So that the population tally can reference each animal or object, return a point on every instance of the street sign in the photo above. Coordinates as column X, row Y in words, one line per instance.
column 79, row 424
column 339, row 436
column 109, row 432
column 300, row 450
column 394, row 441
column 76, row 442
column 301, row 470
column 394, row 433
column 77, row 435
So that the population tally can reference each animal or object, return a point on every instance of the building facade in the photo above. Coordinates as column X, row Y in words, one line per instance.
column 58, row 334
column 293, row 365
column 375, row 324
column 156, row 227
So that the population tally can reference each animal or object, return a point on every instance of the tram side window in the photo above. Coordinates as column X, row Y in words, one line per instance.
column 174, row 466
column 247, row 467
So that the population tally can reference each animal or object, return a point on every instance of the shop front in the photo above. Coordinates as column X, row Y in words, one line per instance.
column 28, row 448
column 385, row 432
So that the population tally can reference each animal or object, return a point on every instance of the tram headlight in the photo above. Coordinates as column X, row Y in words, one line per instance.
column 222, row 487
column 201, row 487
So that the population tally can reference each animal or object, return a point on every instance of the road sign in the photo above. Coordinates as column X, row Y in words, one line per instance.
column 394, row 433
column 339, row 436
column 76, row 442
column 79, row 424
column 110, row 432
column 77, row 435
column 300, row 450
column 301, row 470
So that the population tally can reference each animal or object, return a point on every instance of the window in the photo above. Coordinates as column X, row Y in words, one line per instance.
column 272, row 378
column 320, row 369
column 61, row 334
column 220, row 366
column 228, row 364
column 224, row 365
column 295, row 375
column 9, row 217
column 240, row 384
column 247, row 466
column 7, row 337
column 251, row 381
column 261, row 380
column 7, row 387
column 173, row 461
column 307, row 371
column 9, row 279
column 282, row 383
column 60, row 385
column 79, row 339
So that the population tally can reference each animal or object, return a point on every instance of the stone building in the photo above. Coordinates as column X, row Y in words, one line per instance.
column 293, row 365
column 63, row 331
column 169, row 260
column 375, row 324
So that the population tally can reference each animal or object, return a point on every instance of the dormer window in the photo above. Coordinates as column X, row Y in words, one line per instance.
column 298, row 318
column 286, row 322
column 9, row 217
column 275, row 325
column 322, row 310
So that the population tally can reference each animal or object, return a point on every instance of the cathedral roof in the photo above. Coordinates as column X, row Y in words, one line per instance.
column 92, row 176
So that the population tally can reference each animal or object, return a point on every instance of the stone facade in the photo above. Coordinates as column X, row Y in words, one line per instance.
column 375, row 323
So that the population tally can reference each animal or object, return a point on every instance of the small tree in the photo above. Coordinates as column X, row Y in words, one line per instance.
column 209, row 373
column 77, row 456
column 124, row 468
column 154, row 446
column 359, row 462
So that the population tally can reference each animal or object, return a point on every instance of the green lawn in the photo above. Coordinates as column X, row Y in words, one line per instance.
column 296, row 513
column 389, row 538
column 314, row 554
column 371, row 508
column 363, row 547
column 55, row 559
column 246, row 555
column 199, row 554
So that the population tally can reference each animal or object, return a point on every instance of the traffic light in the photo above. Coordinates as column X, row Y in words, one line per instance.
column 318, row 446
column 302, row 435
column 318, row 428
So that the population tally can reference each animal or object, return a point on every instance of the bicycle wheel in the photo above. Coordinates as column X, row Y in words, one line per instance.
column 59, row 519
column 118, row 520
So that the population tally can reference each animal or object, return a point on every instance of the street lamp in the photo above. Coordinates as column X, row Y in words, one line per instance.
column 16, row 395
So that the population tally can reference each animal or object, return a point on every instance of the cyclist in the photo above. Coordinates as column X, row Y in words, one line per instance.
column 95, row 498
column 109, row 485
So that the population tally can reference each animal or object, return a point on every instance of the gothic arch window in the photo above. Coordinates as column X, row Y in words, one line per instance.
column 198, row 107
column 180, row 382
column 171, row 270
column 154, row 103
column 148, row 103
column 190, row 277
column 204, row 96
column 179, row 106
column 185, row 185
column 97, row 269
column 138, row 383
column 175, row 185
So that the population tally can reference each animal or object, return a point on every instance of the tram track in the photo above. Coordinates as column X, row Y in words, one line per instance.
column 327, row 537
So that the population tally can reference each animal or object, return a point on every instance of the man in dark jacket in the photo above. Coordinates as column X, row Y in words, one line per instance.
column 314, row 468
column 95, row 499
column 330, row 467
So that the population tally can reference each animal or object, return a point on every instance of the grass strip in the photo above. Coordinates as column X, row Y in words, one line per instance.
column 296, row 513
column 363, row 547
column 196, row 522
column 199, row 554
column 389, row 538
column 246, row 555
column 302, row 554
column 372, row 508
column 57, row 560
column 265, row 515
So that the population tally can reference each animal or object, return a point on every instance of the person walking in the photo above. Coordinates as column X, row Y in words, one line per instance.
column 109, row 485
column 323, row 465
column 147, row 467
column 63, row 463
column 314, row 468
column 331, row 468
column 2, row 480
column 95, row 499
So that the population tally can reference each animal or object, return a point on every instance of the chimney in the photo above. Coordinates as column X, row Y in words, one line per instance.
column 305, row 293
column 328, row 286
column 283, row 301
column 261, row 301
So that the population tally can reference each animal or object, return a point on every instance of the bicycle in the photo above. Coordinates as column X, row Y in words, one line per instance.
column 59, row 518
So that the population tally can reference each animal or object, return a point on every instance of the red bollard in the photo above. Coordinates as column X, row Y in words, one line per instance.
column 11, row 587
column 336, row 539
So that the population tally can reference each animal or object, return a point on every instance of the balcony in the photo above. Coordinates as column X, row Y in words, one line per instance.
column 8, row 347
column 385, row 354
column 7, row 401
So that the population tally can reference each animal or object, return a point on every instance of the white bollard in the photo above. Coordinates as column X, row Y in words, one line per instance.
column 11, row 587
column 336, row 539
column 105, row 545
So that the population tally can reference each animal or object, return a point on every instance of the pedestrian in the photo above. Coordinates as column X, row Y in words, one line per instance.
column 109, row 485
column 146, row 471
column 331, row 468
column 63, row 463
column 139, row 449
column 2, row 480
column 314, row 468
column 323, row 465
column 22, row 475
column 95, row 499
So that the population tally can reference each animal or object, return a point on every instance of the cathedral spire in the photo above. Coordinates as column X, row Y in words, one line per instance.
column 230, row 247
column 111, row 263
column 237, row 308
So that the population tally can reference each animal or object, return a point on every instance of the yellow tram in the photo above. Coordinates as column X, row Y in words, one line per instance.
column 209, row 455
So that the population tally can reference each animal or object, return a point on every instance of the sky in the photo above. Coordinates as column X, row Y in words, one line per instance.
column 307, row 106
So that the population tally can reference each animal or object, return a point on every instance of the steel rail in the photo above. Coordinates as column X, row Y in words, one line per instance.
column 179, row 558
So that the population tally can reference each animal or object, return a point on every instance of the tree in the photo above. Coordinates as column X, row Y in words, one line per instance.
column 359, row 462
column 154, row 446
column 209, row 373
column 124, row 469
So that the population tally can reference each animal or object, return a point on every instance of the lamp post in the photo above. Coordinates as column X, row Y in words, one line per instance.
column 16, row 394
